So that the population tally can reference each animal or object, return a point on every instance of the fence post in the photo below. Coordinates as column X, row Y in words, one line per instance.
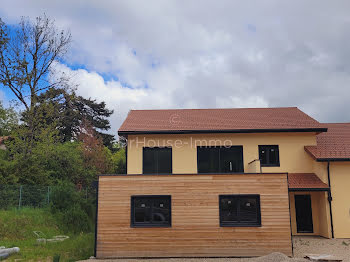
column 20, row 197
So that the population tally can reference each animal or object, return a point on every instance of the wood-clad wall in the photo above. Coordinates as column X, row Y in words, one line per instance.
column 195, row 230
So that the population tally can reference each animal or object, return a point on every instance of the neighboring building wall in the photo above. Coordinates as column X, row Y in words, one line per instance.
column 293, row 158
column 320, row 213
column 320, row 169
column 340, row 186
column 195, row 229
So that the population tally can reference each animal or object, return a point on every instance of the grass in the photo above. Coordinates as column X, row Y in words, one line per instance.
column 16, row 229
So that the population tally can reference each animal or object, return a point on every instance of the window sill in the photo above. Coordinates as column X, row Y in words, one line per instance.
column 267, row 165
column 149, row 226
column 240, row 225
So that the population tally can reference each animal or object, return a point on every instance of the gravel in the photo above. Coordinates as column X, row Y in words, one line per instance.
column 302, row 245
column 339, row 248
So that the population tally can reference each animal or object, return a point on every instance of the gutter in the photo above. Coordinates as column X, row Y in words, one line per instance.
column 332, row 159
column 330, row 198
column 268, row 130
column 291, row 189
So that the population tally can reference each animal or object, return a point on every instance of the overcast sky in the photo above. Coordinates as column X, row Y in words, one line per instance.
column 205, row 54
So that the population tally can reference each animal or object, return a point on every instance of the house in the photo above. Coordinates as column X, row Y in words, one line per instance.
column 2, row 142
column 224, row 182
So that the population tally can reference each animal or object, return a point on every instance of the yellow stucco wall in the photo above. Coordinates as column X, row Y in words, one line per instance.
column 320, row 213
column 340, row 185
column 293, row 157
column 320, row 169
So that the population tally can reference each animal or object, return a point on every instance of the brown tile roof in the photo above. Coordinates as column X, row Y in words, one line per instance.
column 305, row 181
column 233, row 119
column 2, row 139
column 332, row 145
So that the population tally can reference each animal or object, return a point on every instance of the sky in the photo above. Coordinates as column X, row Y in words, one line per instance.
column 204, row 53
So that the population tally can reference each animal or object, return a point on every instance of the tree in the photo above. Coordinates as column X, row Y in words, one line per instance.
column 96, row 156
column 3, row 36
column 119, row 161
column 95, row 113
column 8, row 120
column 28, row 53
column 27, row 56
column 6, row 169
column 49, row 160
column 69, row 111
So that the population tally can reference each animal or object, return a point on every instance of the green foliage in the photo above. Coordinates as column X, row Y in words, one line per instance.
column 44, row 160
column 75, row 220
column 6, row 169
column 73, row 211
column 63, row 196
column 16, row 229
column 69, row 111
column 119, row 161
column 56, row 258
column 8, row 120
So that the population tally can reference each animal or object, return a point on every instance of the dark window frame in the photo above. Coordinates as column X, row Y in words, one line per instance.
column 240, row 224
column 134, row 224
column 220, row 171
column 157, row 173
column 268, row 147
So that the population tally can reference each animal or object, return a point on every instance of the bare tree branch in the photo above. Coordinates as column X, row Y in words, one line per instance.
column 27, row 56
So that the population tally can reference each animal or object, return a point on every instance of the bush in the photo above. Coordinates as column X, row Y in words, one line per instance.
column 75, row 220
column 9, row 196
column 75, row 213
column 63, row 196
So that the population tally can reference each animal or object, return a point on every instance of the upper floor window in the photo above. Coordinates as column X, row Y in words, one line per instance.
column 151, row 211
column 269, row 155
column 239, row 210
column 157, row 160
column 220, row 159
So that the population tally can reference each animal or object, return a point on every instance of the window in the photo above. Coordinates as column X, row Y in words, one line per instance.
column 157, row 160
column 239, row 210
column 220, row 159
column 269, row 156
column 151, row 211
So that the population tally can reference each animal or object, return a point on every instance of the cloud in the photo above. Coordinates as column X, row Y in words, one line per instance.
column 181, row 54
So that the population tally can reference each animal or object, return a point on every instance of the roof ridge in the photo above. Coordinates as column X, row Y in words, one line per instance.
column 218, row 108
column 342, row 123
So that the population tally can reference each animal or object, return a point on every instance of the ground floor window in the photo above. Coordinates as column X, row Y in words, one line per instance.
column 151, row 211
column 239, row 210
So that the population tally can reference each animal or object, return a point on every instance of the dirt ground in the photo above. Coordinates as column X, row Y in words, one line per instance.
column 302, row 246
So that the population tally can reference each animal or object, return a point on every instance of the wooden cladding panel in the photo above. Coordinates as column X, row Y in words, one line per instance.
column 195, row 230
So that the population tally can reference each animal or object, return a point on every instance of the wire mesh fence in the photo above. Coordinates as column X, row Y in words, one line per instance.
column 33, row 195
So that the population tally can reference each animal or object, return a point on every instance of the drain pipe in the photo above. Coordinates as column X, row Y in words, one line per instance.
column 330, row 198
